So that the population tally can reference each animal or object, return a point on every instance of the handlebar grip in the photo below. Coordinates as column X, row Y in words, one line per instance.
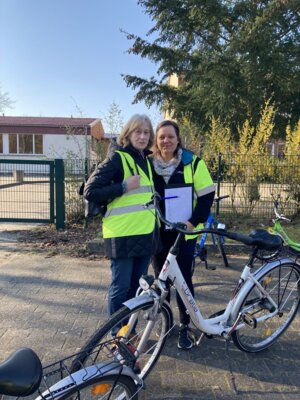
column 218, row 199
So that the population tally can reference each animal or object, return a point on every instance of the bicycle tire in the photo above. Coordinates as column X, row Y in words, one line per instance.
column 147, row 358
column 105, row 387
column 222, row 251
column 282, row 283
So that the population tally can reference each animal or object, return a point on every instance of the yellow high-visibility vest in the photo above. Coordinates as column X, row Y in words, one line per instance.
column 125, row 215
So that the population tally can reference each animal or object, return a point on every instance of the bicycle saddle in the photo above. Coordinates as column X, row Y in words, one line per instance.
column 21, row 373
column 265, row 241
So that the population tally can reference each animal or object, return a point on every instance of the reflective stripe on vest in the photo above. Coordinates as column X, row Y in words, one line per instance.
column 125, row 215
column 202, row 182
column 206, row 190
column 144, row 189
column 127, row 210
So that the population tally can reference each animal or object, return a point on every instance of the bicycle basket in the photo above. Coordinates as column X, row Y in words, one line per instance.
column 58, row 381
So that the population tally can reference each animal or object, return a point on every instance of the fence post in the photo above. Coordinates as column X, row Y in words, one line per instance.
column 60, row 193
column 219, row 182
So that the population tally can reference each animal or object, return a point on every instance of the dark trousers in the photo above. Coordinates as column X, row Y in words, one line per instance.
column 126, row 273
column 184, row 260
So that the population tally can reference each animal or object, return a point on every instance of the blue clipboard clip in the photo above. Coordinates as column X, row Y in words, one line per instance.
column 170, row 197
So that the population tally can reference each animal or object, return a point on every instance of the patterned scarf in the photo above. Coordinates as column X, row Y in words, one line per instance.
column 166, row 169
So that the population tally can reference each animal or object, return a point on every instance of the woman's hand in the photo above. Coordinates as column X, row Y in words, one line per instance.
column 133, row 182
column 189, row 226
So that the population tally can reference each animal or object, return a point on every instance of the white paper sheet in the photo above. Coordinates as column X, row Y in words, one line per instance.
column 179, row 206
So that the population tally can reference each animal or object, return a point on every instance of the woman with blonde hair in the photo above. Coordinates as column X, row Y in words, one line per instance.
column 125, row 181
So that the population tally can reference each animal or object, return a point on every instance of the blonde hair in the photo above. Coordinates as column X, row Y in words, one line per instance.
column 134, row 123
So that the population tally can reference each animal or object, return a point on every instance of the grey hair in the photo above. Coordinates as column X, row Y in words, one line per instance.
column 135, row 122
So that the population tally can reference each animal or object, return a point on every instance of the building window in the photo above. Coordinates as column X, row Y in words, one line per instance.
column 1, row 143
column 12, row 144
column 25, row 144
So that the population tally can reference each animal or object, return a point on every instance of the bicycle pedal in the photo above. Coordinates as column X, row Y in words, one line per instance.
column 126, row 352
column 249, row 320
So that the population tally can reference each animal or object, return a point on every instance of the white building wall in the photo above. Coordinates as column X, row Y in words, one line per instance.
column 65, row 146
column 54, row 146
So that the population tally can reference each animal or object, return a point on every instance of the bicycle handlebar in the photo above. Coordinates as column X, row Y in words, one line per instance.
column 218, row 199
column 276, row 212
column 261, row 239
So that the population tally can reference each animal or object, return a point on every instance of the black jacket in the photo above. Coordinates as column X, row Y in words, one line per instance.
column 106, row 185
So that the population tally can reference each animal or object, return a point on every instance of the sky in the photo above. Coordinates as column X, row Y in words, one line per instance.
column 65, row 57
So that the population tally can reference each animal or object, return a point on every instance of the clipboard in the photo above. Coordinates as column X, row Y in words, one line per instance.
column 179, row 205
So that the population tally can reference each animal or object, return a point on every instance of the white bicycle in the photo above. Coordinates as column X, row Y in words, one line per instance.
column 261, row 307
column 22, row 375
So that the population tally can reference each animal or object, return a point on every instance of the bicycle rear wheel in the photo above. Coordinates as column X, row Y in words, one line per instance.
column 146, row 347
column 112, row 387
column 282, row 282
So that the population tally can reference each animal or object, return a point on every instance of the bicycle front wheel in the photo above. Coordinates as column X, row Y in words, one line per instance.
column 145, row 337
column 112, row 387
column 282, row 284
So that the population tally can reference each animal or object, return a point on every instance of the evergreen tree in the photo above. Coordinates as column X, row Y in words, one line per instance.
column 231, row 57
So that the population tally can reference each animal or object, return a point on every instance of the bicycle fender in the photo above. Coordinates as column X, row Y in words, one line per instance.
column 139, row 300
column 89, row 373
column 265, row 268
column 149, row 300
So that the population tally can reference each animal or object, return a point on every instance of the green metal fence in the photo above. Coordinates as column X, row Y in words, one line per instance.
column 27, row 191
column 47, row 191
column 252, row 182
column 32, row 191
column 76, row 171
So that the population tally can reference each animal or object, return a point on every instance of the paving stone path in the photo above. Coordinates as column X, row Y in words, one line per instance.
column 53, row 303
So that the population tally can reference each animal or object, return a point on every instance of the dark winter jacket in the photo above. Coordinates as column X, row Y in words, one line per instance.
column 106, row 185
column 204, row 203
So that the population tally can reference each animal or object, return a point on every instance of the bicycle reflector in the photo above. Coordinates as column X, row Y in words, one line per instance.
column 222, row 227
column 123, row 331
column 101, row 388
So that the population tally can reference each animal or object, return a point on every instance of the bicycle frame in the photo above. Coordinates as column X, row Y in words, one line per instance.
column 210, row 223
column 216, row 325
column 221, row 324
column 279, row 230
column 200, row 248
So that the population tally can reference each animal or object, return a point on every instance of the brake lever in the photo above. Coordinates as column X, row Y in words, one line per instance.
column 146, row 205
column 175, row 225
